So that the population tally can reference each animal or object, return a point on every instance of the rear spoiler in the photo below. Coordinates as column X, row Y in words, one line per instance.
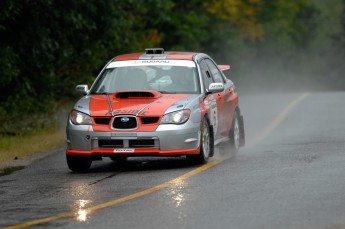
column 224, row 67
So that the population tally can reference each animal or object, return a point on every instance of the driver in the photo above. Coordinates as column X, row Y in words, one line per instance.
column 182, row 80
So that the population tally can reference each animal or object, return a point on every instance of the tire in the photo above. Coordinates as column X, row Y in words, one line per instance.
column 234, row 133
column 118, row 158
column 206, row 145
column 242, row 134
column 78, row 163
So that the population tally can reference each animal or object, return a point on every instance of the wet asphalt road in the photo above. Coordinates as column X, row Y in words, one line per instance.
column 290, row 175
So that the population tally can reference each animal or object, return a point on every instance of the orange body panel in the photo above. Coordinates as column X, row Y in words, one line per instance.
column 138, row 151
column 133, row 56
column 181, row 55
column 168, row 56
column 141, row 107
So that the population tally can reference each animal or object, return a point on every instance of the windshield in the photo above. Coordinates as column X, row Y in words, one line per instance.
column 163, row 77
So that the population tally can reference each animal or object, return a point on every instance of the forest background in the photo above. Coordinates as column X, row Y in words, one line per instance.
column 47, row 47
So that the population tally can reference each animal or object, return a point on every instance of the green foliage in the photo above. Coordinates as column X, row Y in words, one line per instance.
column 49, row 46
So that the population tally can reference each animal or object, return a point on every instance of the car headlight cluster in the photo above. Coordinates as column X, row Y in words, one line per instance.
column 177, row 117
column 79, row 118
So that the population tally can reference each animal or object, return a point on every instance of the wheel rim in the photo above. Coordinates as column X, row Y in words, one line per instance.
column 205, row 139
column 236, row 134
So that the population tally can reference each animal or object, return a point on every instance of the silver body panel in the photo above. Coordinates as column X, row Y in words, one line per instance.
column 166, row 137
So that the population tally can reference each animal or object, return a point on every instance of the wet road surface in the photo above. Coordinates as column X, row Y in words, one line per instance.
column 290, row 175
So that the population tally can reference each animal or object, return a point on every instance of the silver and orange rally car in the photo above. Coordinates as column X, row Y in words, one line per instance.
column 154, row 103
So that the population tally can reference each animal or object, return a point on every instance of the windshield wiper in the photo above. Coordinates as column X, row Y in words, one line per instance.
column 100, row 93
column 167, row 92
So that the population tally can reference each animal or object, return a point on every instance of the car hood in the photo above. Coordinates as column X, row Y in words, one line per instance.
column 141, row 103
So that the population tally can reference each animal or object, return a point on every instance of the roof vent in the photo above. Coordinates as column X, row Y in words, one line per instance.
column 154, row 51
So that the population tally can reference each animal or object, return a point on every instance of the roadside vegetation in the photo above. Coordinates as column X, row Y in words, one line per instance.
column 49, row 46
column 20, row 146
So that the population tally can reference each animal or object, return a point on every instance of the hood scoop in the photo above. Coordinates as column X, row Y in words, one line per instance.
column 137, row 94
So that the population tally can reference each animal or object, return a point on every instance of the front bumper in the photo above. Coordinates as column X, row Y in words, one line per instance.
column 167, row 140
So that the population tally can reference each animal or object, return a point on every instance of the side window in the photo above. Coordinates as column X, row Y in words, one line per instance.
column 217, row 76
column 205, row 73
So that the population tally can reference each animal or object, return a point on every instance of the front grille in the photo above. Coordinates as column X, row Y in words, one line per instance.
column 141, row 143
column 149, row 120
column 125, row 122
column 110, row 143
column 128, row 143
column 102, row 121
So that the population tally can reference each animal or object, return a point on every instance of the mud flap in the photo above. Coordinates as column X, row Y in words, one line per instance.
column 242, row 134
column 212, row 142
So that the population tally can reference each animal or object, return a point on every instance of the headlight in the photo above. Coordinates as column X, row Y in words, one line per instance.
column 177, row 117
column 79, row 118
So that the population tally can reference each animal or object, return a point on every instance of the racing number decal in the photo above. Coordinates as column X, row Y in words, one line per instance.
column 211, row 104
column 214, row 116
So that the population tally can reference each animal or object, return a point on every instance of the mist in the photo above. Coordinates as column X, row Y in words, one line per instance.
column 307, row 57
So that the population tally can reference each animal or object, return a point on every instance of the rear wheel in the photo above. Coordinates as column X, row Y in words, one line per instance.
column 234, row 134
column 206, row 145
column 242, row 134
column 78, row 163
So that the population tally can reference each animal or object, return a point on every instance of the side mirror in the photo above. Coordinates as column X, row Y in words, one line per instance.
column 84, row 89
column 215, row 87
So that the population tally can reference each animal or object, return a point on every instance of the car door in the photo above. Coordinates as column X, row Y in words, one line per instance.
column 222, row 99
column 212, row 99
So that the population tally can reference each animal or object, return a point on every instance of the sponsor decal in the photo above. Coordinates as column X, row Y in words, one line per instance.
column 214, row 116
column 134, row 112
column 215, row 86
column 123, row 150
column 155, row 61
column 130, row 63
column 206, row 104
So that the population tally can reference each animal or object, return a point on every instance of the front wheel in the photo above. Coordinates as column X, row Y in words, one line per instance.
column 206, row 145
column 78, row 163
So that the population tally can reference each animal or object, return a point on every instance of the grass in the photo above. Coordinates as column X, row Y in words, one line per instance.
column 19, row 147
column 10, row 170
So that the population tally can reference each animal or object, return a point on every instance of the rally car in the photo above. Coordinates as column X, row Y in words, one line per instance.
column 154, row 103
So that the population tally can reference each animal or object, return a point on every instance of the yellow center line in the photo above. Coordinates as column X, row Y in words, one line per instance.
column 175, row 181
column 121, row 200
column 275, row 122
